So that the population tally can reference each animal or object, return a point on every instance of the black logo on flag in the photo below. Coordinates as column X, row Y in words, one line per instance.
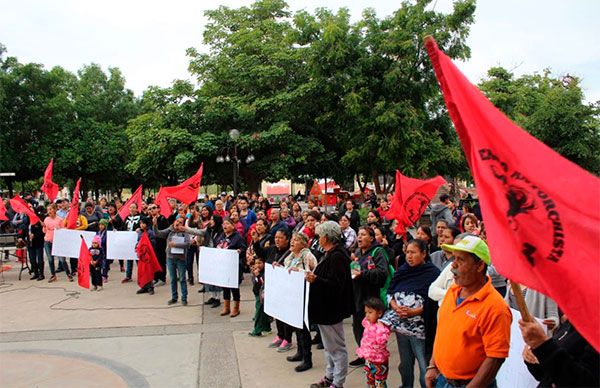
column 415, row 206
column 529, row 210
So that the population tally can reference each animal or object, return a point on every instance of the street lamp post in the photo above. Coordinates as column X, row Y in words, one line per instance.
column 234, row 134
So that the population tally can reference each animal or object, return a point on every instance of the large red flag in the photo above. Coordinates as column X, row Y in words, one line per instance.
column 83, row 265
column 411, row 199
column 163, row 201
column 147, row 263
column 186, row 191
column 20, row 206
column 49, row 187
column 3, row 216
column 541, row 211
column 136, row 198
column 74, row 209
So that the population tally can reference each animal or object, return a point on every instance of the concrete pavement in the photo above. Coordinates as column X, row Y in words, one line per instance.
column 60, row 335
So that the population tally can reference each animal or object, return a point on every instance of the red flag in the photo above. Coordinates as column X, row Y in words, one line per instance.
column 3, row 216
column 74, row 209
column 83, row 265
column 541, row 211
column 163, row 201
column 147, row 263
column 411, row 199
column 50, row 188
column 186, row 191
column 20, row 206
column 136, row 198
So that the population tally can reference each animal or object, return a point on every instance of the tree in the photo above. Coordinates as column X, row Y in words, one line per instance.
column 255, row 79
column 551, row 109
column 78, row 120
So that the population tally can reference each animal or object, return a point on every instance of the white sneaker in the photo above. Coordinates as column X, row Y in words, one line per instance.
column 159, row 283
column 100, row 288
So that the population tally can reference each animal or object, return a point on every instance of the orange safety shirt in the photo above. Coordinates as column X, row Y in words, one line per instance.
column 466, row 334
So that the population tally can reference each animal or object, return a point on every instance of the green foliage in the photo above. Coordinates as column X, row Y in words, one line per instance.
column 550, row 110
column 78, row 120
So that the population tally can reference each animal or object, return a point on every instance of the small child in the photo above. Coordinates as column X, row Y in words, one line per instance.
column 373, row 346
column 21, row 252
column 261, row 320
column 96, row 261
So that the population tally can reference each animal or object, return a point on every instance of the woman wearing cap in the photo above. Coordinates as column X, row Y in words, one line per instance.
column 411, row 312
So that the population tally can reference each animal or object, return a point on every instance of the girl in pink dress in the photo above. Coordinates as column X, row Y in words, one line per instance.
column 373, row 346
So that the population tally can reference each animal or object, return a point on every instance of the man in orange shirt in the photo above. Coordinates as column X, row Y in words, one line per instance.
column 473, row 332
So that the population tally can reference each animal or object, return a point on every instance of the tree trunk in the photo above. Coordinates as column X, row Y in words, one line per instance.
column 375, row 175
column 360, row 185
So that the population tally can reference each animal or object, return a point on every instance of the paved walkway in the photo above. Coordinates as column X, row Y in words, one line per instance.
column 60, row 335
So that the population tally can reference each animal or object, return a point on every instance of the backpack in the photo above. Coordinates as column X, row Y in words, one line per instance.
column 383, row 290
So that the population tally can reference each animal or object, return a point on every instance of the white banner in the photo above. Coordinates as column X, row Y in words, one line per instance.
column 219, row 267
column 514, row 373
column 68, row 241
column 306, row 298
column 284, row 295
column 121, row 245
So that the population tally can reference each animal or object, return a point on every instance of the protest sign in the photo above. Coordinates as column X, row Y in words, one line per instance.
column 284, row 295
column 219, row 267
column 121, row 245
column 67, row 242
column 514, row 373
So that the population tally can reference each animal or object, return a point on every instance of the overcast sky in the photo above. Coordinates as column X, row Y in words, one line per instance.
column 147, row 39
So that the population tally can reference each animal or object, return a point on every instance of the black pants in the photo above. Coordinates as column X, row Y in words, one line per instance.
column 161, row 255
column 357, row 326
column 73, row 263
column 304, row 346
column 227, row 292
column 192, row 252
column 96, row 274
column 284, row 331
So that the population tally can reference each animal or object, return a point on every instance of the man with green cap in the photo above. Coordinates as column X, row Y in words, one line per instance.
column 473, row 332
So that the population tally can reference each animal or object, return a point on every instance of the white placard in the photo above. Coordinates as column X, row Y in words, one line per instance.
column 67, row 242
column 514, row 373
column 177, row 240
column 306, row 297
column 284, row 295
column 121, row 245
column 219, row 267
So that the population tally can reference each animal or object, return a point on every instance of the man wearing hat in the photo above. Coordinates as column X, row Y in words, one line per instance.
column 473, row 332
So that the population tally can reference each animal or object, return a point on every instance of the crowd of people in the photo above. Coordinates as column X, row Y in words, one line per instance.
column 437, row 291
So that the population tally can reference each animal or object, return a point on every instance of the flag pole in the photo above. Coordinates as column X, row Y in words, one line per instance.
column 518, row 293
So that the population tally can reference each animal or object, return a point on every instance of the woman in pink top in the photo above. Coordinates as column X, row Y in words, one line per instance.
column 51, row 223
column 373, row 345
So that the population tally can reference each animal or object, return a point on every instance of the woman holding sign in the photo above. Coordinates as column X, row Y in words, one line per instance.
column 330, row 302
column 231, row 239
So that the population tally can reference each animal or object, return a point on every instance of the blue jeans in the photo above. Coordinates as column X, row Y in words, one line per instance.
column 411, row 349
column 176, row 270
column 128, row 269
column 48, row 249
column 442, row 383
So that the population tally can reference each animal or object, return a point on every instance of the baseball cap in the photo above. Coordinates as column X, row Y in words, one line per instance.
column 471, row 244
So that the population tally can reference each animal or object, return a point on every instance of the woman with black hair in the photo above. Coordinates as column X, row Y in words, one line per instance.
column 424, row 233
column 411, row 314
column 369, row 273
